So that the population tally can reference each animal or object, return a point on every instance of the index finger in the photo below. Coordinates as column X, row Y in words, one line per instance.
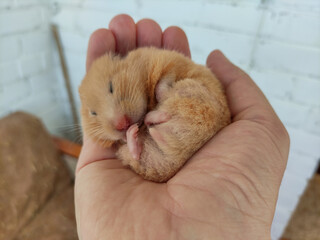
column 101, row 42
column 124, row 30
column 174, row 38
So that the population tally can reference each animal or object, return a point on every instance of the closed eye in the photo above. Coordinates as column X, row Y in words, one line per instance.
column 110, row 87
column 93, row 113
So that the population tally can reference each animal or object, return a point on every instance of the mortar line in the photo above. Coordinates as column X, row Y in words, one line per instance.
column 262, row 5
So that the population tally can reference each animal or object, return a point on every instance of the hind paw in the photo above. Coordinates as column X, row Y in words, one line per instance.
column 156, row 117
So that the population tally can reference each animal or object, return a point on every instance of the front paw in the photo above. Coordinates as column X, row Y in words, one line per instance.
column 133, row 143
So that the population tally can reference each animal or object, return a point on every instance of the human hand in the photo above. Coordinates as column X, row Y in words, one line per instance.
column 227, row 190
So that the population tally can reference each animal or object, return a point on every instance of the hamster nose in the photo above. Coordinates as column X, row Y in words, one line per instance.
column 123, row 123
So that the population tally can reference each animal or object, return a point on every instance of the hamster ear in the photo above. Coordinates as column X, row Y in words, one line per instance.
column 106, row 143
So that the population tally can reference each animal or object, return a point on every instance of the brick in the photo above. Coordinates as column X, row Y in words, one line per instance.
column 6, row 4
column 48, row 60
column 66, row 18
column 74, row 42
column 37, row 103
column 297, row 5
column 31, row 65
column 304, row 142
column 10, row 48
column 240, row 19
column 42, row 81
column 76, row 61
column 129, row 6
column 238, row 2
column 72, row 3
column 275, row 56
column 236, row 47
column 59, row 80
column 46, row 12
column 292, row 114
column 188, row 11
column 301, row 165
column 27, row 3
column 289, row 26
column 312, row 123
column 89, row 20
column 54, row 119
column 9, row 73
column 58, row 75
column 19, row 20
column 34, row 42
column 274, row 84
column 14, row 93
column 55, row 57
column 245, row 18
column 306, row 91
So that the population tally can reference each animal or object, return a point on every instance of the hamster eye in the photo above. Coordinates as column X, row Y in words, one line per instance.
column 110, row 87
column 93, row 113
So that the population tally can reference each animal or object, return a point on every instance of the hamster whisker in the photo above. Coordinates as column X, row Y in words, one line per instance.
column 69, row 127
column 96, row 132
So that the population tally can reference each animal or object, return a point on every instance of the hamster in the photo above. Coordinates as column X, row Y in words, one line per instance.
column 156, row 106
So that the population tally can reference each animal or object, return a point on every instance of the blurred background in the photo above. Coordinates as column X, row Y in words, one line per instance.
column 276, row 41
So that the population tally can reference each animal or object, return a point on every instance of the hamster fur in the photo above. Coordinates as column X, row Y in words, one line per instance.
column 182, row 104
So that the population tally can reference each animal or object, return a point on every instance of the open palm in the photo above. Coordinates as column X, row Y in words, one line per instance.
column 227, row 190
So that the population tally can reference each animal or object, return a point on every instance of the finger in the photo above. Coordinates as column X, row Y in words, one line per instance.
column 174, row 38
column 243, row 94
column 101, row 41
column 149, row 33
column 92, row 152
column 124, row 30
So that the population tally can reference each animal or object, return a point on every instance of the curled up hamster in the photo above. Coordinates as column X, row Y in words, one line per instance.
column 156, row 106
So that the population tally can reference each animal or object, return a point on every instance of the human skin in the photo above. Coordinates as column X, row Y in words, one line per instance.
column 227, row 190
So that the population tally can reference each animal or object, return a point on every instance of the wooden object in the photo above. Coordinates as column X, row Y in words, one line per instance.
column 67, row 147
column 65, row 75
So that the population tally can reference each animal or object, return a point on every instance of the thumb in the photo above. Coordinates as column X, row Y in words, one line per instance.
column 246, row 100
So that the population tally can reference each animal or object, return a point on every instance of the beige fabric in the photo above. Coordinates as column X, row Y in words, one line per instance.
column 35, row 186
column 55, row 221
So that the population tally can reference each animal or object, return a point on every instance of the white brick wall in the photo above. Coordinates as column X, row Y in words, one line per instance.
column 286, row 57
column 28, row 75
column 276, row 41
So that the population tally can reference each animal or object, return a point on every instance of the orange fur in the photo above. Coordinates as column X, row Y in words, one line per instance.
column 160, row 81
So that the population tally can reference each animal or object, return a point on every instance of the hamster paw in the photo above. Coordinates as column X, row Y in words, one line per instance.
column 156, row 117
column 133, row 143
column 156, row 131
